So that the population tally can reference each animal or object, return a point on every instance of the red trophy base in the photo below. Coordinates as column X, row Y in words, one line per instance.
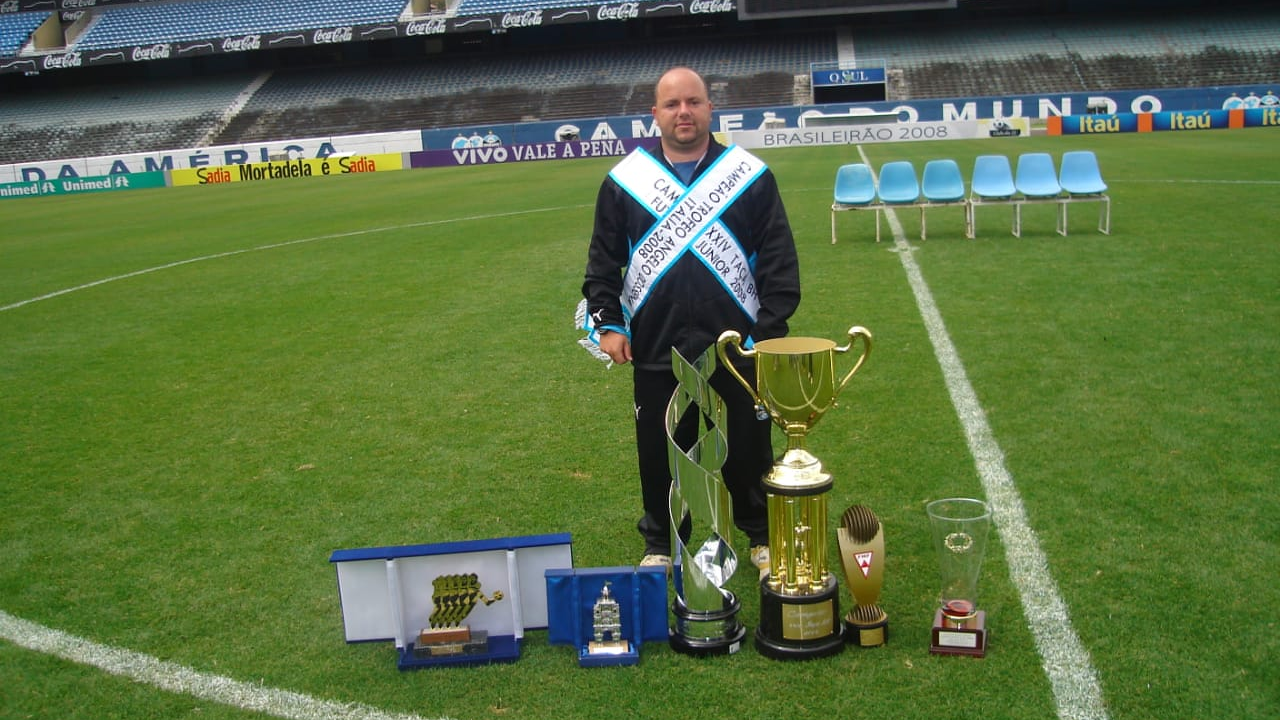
column 967, row 638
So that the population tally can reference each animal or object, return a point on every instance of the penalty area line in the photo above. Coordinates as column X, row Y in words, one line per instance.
column 1076, row 689
column 273, row 246
column 176, row 678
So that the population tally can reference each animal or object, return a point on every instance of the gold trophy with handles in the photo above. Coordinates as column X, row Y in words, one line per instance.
column 796, row 384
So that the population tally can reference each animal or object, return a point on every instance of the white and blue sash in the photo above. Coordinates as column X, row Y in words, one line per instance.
column 688, row 220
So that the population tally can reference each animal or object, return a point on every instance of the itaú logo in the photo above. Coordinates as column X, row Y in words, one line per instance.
column 336, row 35
column 528, row 18
column 710, row 6
column 625, row 11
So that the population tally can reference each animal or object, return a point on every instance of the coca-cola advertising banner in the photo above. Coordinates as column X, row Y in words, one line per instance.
column 13, row 6
column 427, row 25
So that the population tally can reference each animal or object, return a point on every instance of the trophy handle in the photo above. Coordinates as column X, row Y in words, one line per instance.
column 734, row 338
column 855, row 332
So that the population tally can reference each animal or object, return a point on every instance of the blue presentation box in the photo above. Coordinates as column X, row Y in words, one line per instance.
column 386, row 593
column 641, row 594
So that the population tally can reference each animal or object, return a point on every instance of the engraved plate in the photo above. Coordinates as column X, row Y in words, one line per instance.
column 807, row 622
column 870, row 637
column 957, row 639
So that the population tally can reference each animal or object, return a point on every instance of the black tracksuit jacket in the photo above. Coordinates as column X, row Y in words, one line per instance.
column 689, row 309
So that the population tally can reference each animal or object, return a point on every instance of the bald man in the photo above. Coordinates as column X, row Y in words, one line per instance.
column 691, row 239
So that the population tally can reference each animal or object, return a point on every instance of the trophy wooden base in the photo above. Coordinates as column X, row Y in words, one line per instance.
column 800, row 627
column 866, row 635
column 707, row 633
column 968, row 638
column 443, row 642
column 500, row 649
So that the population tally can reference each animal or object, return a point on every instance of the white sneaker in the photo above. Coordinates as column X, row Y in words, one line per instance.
column 760, row 558
column 656, row 560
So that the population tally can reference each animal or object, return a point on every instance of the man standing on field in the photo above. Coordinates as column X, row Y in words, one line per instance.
column 650, row 287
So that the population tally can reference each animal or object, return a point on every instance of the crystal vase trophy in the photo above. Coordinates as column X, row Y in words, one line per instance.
column 800, row 598
column 960, row 527
column 706, row 614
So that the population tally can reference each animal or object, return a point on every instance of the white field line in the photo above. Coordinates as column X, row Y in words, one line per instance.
column 178, row 679
column 299, row 241
column 1066, row 662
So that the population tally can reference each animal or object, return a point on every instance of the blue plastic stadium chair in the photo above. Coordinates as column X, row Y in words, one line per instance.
column 1036, row 176
column 992, row 178
column 855, row 185
column 1081, row 179
column 941, row 184
column 897, row 185
column 991, row 184
column 855, row 190
column 1037, row 181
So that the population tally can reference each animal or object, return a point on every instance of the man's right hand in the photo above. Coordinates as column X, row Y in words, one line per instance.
column 616, row 346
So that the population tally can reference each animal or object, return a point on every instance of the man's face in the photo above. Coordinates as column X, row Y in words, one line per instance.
column 683, row 112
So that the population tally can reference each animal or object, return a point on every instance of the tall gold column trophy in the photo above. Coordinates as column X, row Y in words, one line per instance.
column 796, row 384
column 706, row 613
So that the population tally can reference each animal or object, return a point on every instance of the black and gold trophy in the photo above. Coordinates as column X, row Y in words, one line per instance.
column 800, row 598
column 453, row 598
column 861, row 540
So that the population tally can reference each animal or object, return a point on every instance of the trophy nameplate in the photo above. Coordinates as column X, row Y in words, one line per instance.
column 966, row 637
column 807, row 622
column 795, row 384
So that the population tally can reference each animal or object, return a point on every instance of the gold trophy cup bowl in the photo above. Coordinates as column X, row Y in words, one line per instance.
column 795, row 385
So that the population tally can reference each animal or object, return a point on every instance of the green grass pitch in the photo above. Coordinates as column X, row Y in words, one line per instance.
column 243, row 379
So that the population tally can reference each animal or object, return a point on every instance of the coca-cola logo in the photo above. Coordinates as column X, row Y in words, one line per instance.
column 155, row 52
column 528, row 18
column 336, row 35
column 433, row 26
column 67, row 60
column 68, row 4
column 248, row 42
column 697, row 7
column 9, row 6
column 625, row 11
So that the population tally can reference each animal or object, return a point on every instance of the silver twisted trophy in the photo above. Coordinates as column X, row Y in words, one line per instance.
column 706, row 614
